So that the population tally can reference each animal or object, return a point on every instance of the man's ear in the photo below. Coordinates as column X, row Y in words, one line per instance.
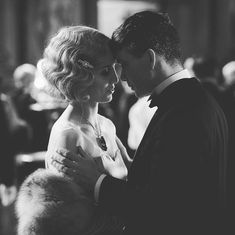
column 152, row 57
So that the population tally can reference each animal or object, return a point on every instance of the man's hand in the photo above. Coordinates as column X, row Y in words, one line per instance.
column 82, row 168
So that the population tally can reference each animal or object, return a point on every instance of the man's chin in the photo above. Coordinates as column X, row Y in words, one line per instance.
column 139, row 94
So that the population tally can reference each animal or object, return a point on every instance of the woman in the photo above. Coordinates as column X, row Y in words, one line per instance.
column 81, row 69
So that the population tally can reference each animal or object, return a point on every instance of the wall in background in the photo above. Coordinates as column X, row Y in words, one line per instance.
column 205, row 26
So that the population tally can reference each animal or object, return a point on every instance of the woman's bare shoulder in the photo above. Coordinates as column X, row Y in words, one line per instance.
column 106, row 122
column 63, row 126
column 65, row 135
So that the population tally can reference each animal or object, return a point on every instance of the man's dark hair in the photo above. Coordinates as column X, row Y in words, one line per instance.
column 144, row 30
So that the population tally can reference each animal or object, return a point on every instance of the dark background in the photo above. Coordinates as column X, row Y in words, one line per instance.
column 206, row 27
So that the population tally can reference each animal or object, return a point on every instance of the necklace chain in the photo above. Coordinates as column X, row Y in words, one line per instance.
column 99, row 137
column 97, row 129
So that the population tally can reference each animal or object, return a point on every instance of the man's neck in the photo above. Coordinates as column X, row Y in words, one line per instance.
column 170, row 70
column 183, row 73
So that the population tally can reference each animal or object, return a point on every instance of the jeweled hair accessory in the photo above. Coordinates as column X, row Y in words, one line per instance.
column 85, row 64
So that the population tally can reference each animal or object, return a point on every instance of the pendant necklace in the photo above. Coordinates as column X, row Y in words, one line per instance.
column 99, row 137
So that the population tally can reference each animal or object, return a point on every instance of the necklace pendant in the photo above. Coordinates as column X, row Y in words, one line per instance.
column 101, row 143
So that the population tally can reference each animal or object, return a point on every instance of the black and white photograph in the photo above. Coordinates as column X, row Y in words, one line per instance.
column 117, row 117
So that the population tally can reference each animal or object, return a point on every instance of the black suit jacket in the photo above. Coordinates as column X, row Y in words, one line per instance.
column 176, row 182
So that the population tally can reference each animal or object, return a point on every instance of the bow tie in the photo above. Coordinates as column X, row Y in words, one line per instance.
column 154, row 100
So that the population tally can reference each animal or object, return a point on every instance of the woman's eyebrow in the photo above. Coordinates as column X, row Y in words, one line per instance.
column 105, row 66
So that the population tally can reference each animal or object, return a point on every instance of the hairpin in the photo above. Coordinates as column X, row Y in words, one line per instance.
column 85, row 64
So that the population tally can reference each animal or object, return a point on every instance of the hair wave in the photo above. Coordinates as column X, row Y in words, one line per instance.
column 67, row 78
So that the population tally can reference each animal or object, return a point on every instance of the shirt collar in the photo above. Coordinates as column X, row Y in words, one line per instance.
column 175, row 77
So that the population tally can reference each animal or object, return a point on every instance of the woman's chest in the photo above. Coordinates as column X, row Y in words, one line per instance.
column 96, row 146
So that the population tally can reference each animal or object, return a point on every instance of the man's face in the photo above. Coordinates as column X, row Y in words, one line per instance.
column 136, row 71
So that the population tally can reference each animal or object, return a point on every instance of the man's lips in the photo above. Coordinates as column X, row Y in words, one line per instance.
column 130, row 85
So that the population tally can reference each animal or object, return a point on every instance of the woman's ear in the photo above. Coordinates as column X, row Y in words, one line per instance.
column 152, row 58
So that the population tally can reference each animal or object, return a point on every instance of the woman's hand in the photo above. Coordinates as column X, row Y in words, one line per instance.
column 115, row 166
column 124, row 154
column 81, row 167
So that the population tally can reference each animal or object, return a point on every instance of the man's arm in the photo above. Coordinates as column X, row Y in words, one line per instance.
column 117, row 196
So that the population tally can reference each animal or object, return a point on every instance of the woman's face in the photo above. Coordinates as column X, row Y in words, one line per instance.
column 106, row 75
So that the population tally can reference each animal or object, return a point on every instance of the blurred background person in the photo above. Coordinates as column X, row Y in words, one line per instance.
column 24, row 76
column 207, row 71
column 228, row 72
column 13, row 139
column 24, row 96
column 14, row 130
column 188, row 64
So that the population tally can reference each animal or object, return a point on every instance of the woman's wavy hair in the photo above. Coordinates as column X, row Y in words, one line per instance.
column 61, row 63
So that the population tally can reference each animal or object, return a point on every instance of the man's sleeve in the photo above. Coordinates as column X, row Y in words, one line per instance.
column 97, row 188
column 114, row 194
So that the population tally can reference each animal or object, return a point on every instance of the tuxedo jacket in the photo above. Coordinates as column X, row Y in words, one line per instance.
column 176, row 183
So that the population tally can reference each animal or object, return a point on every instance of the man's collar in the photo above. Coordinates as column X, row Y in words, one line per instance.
column 173, row 78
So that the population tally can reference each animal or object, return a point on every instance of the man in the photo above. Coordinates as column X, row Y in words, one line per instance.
column 176, row 181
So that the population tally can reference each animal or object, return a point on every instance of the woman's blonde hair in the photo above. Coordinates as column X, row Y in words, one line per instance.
column 69, row 58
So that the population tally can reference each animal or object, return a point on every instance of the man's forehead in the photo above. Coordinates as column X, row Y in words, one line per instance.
column 123, row 55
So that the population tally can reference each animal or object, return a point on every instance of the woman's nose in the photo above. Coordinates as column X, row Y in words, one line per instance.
column 115, row 78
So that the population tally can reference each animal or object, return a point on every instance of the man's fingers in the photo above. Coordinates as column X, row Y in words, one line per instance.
column 64, row 169
column 62, row 151
column 60, row 167
column 64, row 161
column 68, row 154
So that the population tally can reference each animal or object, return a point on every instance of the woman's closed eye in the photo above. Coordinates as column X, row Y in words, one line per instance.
column 106, row 71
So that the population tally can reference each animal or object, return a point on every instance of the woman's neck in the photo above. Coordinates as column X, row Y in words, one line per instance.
column 83, row 112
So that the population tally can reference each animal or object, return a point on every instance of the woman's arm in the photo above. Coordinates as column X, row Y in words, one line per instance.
column 66, row 139
column 127, row 160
